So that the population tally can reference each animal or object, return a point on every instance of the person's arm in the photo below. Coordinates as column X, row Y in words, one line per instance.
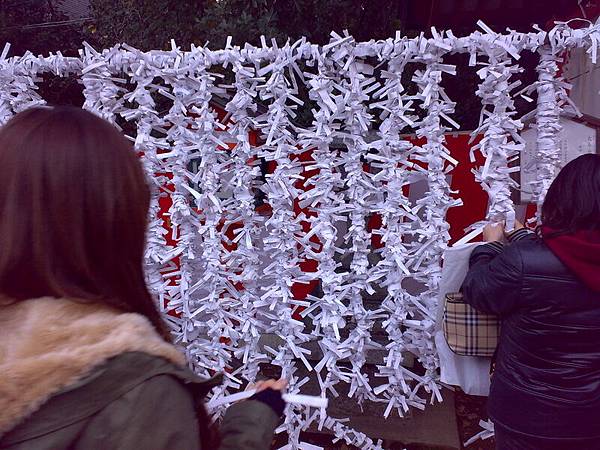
column 496, row 239
column 493, row 283
column 248, row 425
column 520, row 234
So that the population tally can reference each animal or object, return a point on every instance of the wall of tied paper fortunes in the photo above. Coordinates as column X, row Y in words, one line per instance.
column 226, row 268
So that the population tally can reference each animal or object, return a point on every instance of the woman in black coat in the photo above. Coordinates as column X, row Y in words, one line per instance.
column 545, row 391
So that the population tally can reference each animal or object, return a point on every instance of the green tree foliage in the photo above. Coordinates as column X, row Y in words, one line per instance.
column 145, row 24
column 31, row 25
column 150, row 24
column 243, row 20
column 40, row 27
column 315, row 19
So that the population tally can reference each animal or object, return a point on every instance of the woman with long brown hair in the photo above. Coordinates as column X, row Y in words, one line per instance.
column 85, row 359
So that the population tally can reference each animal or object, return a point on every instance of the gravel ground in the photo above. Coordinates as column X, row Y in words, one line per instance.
column 469, row 411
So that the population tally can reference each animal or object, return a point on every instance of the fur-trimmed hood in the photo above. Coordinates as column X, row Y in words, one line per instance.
column 48, row 344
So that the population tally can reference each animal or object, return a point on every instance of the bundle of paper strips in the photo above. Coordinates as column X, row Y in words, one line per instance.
column 228, row 296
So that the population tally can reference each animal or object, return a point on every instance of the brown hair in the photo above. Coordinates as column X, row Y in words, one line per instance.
column 73, row 211
column 572, row 203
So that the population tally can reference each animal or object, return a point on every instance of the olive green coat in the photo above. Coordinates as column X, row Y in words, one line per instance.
column 76, row 378
column 137, row 401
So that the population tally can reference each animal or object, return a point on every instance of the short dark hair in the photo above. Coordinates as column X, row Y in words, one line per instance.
column 73, row 210
column 573, row 200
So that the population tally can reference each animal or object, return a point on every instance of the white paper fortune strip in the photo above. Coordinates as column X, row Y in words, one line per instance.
column 306, row 400
column 500, row 141
column 204, row 121
column 551, row 98
column 486, row 433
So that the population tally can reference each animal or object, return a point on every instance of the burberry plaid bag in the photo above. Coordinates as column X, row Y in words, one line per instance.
column 469, row 332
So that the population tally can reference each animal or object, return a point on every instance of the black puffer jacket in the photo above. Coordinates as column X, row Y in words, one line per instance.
column 547, row 377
